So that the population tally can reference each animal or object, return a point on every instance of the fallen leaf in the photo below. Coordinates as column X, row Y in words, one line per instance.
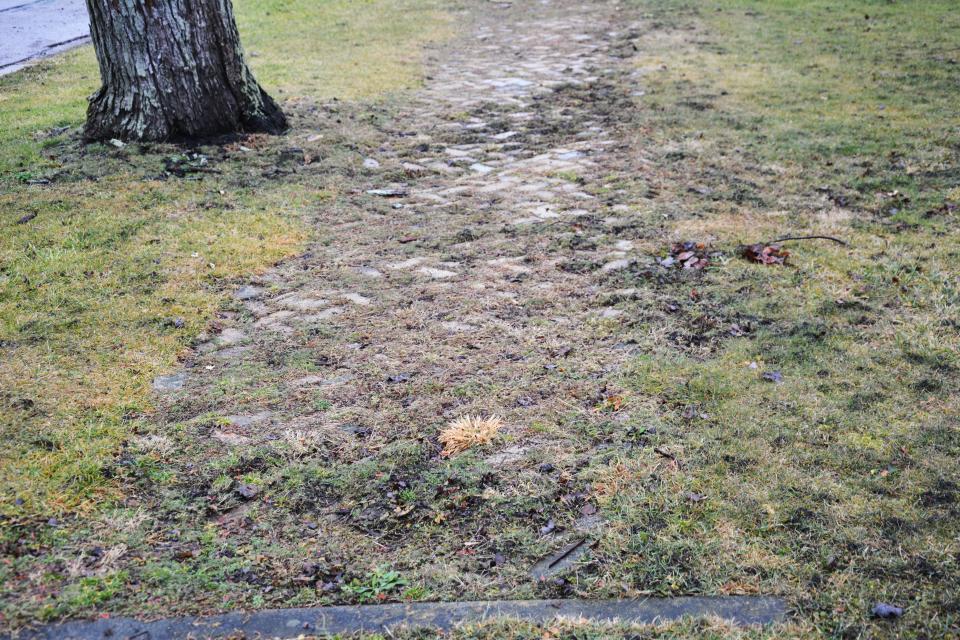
column 764, row 253
column 688, row 255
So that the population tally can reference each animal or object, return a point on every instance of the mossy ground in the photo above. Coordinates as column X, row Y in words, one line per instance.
column 784, row 430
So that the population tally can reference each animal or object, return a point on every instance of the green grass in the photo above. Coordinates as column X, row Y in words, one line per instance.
column 92, row 287
column 836, row 487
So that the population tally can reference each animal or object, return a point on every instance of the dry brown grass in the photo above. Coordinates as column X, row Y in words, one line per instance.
column 469, row 431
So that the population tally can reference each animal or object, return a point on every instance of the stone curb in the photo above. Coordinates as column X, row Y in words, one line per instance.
column 320, row 621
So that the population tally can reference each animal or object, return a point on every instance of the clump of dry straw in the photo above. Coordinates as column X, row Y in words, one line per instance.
column 468, row 431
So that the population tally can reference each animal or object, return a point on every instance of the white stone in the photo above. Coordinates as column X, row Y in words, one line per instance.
column 356, row 298
column 438, row 274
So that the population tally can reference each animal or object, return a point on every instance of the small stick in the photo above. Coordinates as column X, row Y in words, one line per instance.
column 665, row 454
column 831, row 238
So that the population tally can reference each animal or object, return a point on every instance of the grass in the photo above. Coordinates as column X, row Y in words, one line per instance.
column 835, row 485
column 117, row 269
column 787, row 430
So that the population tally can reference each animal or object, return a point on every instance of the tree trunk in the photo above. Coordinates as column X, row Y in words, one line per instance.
column 173, row 69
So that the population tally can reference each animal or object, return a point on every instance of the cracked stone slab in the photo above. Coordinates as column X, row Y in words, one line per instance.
column 326, row 314
column 229, row 337
column 356, row 298
column 557, row 563
column 405, row 264
column 368, row 272
column 321, row 381
column 437, row 274
column 247, row 420
column 297, row 303
column 230, row 439
column 232, row 353
column 440, row 616
column 173, row 382
column 458, row 327
column 248, row 292
column 616, row 265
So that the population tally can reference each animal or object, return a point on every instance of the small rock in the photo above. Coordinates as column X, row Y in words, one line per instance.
column 887, row 611
column 370, row 163
column 248, row 491
column 773, row 376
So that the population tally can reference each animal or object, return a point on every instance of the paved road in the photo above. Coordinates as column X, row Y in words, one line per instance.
column 31, row 29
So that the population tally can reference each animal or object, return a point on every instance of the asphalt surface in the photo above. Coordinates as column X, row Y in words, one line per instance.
column 32, row 29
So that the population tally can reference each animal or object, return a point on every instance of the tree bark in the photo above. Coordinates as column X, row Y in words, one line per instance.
column 173, row 69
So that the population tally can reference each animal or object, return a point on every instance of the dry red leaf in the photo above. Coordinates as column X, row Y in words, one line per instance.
column 765, row 253
column 687, row 255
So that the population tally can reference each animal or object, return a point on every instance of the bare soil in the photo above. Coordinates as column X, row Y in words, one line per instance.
column 473, row 267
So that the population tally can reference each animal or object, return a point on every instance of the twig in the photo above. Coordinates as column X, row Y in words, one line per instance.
column 669, row 456
column 665, row 454
column 831, row 238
